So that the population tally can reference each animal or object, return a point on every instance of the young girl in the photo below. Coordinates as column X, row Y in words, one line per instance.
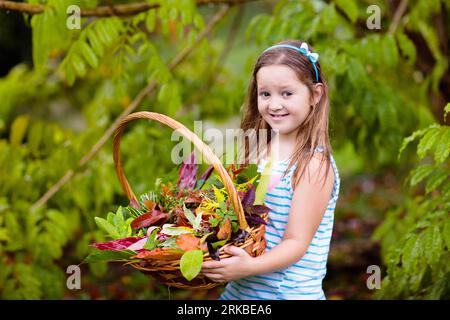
column 288, row 95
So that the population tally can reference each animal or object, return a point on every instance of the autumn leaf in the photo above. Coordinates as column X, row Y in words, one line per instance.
column 187, row 242
column 188, row 173
column 117, row 245
column 150, row 205
column 150, row 218
column 225, row 230
column 160, row 254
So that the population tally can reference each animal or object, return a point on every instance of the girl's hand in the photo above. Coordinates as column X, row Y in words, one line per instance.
column 235, row 267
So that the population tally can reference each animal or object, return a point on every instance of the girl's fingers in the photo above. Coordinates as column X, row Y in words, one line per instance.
column 214, row 277
column 212, row 264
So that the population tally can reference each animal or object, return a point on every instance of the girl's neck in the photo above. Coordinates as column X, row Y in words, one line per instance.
column 283, row 148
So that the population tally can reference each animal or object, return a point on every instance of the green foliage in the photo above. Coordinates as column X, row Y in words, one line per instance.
column 416, row 251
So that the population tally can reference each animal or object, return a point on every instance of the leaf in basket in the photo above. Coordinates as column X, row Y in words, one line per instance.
column 152, row 242
column 102, row 256
column 225, row 230
column 134, row 204
column 194, row 197
column 191, row 264
column 116, row 245
column 195, row 221
column 139, row 245
column 213, row 253
column 171, row 230
column 240, row 236
column 204, row 177
column 159, row 254
column 220, row 197
column 108, row 227
column 155, row 217
column 218, row 244
column 254, row 220
column 258, row 209
column 249, row 197
column 188, row 173
column 150, row 205
column 188, row 242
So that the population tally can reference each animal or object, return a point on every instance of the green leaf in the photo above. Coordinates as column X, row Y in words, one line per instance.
column 410, row 139
column 407, row 47
column 104, row 32
column 191, row 264
column 78, row 65
column 435, row 180
column 389, row 50
column 219, row 243
column 170, row 230
column 88, row 54
column 150, row 21
column 420, row 173
column 189, row 215
column 442, row 150
column 356, row 72
column 152, row 241
column 432, row 245
column 18, row 130
column 428, row 141
column 411, row 253
column 107, row 227
column 446, row 233
column 107, row 255
column 446, row 110
column 95, row 42
column 349, row 7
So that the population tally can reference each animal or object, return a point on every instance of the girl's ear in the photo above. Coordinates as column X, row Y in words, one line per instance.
column 317, row 92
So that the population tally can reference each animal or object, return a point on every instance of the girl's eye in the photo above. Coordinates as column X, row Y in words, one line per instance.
column 266, row 94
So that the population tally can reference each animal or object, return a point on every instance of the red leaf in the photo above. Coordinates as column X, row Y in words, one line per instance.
column 181, row 218
column 187, row 242
column 159, row 254
column 188, row 173
column 155, row 217
column 117, row 245
column 194, row 197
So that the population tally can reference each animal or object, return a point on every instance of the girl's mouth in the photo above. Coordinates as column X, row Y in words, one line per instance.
column 278, row 116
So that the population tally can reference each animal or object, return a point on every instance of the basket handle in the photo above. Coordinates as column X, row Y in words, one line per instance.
column 198, row 143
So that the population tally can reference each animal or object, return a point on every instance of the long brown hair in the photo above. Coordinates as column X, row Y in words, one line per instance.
column 314, row 130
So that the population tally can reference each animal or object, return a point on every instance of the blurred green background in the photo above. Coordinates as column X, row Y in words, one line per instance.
column 62, row 89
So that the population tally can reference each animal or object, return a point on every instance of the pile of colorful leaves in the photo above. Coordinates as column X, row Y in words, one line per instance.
column 181, row 219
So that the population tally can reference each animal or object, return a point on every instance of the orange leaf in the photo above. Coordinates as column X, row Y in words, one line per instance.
column 150, row 205
column 159, row 254
column 225, row 230
column 187, row 242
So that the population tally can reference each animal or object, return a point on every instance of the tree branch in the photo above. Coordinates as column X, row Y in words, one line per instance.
column 133, row 105
column 129, row 9
column 399, row 12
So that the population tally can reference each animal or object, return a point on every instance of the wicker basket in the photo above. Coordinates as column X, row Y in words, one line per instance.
column 168, row 271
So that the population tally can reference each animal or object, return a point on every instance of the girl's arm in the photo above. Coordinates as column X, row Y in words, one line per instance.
column 308, row 206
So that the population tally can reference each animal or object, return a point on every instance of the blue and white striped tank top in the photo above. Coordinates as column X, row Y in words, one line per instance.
column 303, row 279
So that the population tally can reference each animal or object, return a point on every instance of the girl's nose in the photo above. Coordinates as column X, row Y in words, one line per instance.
column 275, row 106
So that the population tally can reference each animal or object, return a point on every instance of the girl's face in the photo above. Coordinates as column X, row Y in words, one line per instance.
column 284, row 101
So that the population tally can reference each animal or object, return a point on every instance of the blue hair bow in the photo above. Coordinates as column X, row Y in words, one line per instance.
column 312, row 56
